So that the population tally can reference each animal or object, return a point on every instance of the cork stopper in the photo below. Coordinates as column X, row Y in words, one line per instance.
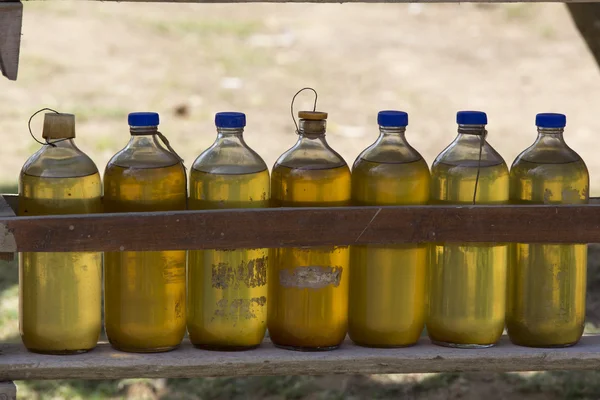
column 58, row 126
column 312, row 115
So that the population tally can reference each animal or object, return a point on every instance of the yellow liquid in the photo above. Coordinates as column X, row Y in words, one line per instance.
column 227, row 289
column 144, row 291
column 308, row 287
column 60, row 293
column 467, row 281
column 547, row 282
column 387, row 283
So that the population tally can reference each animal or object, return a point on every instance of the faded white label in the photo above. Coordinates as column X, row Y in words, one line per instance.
column 312, row 277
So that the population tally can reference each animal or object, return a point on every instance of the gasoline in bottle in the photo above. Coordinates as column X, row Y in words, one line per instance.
column 145, row 290
column 387, row 282
column 60, row 293
column 547, row 282
column 227, row 289
column 308, row 286
column 466, row 282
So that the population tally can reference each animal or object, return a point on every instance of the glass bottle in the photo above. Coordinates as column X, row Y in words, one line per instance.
column 387, row 282
column 308, row 286
column 144, row 290
column 60, row 293
column 467, row 281
column 547, row 282
column 227, row 289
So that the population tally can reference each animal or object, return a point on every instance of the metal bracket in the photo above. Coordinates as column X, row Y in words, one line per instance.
column 11, row 21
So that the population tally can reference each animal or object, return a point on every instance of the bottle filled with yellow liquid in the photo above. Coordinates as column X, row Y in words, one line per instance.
column 144, row 291
column 60, row 293
column 547, row 282
column 387, row 282
column 466, row 282
column 227, row 289
column 308, row 286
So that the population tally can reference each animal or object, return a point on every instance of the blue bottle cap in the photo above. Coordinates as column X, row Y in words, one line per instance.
column 230, row 120
column 471, row 118
column 392, row 118
column 143, row 119
column 551, row 120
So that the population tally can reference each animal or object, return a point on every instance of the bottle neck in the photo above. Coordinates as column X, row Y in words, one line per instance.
column 62, row 143
column 553, row 133
column 469, row 130
column 231, row 133
column 312, row 129
column 143, row 136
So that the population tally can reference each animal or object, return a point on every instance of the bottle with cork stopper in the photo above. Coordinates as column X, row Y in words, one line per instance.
column 60, row 293
column 308, row 286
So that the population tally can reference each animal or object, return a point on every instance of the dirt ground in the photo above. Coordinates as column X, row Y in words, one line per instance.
column 101, row 61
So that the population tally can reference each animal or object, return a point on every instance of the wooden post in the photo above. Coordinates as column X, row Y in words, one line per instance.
column 11, row 20
column 8, row 390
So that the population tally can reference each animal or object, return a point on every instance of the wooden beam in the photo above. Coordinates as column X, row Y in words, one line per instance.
column 7, row 239
column 349, row 1
column 293, row 227
column 11, row 20
column 187, row 362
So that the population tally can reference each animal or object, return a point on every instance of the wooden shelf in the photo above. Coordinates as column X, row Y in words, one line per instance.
column 293, row 227
column 186, row 362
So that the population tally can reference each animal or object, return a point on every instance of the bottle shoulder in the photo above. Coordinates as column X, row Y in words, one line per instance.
column 143, row 157
column 229, row 159
column 469, row 154
column 548, row 155
column 311, row 155
column 59, row 162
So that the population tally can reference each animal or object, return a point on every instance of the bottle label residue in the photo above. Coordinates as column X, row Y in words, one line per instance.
column 311, row 277
column 239, row 309
column 251, row 273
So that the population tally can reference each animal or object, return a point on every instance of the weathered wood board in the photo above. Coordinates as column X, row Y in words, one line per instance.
column 293, row 227
column 7, row 241
column 188, row 362
column 11, row 19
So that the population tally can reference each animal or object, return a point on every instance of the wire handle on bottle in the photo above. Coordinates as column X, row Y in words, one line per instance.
column 46, row 143
column 165, row 141
column 481, row 143
column 294, row 98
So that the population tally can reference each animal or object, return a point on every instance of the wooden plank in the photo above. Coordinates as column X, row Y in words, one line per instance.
column 187, row 362
column 7, row 239
column 8, row 391
column 350, row 1
column 293, row 227
column 11, row 20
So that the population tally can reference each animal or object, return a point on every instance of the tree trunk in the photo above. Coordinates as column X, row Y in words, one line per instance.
column 587, row 19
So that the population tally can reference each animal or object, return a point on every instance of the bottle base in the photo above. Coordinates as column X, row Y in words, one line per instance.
column 224, row 348
column 60, row 352
column 384, row 346
column 144, row 350
column 462, row 345
column 545, row 346
column 306, row 349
